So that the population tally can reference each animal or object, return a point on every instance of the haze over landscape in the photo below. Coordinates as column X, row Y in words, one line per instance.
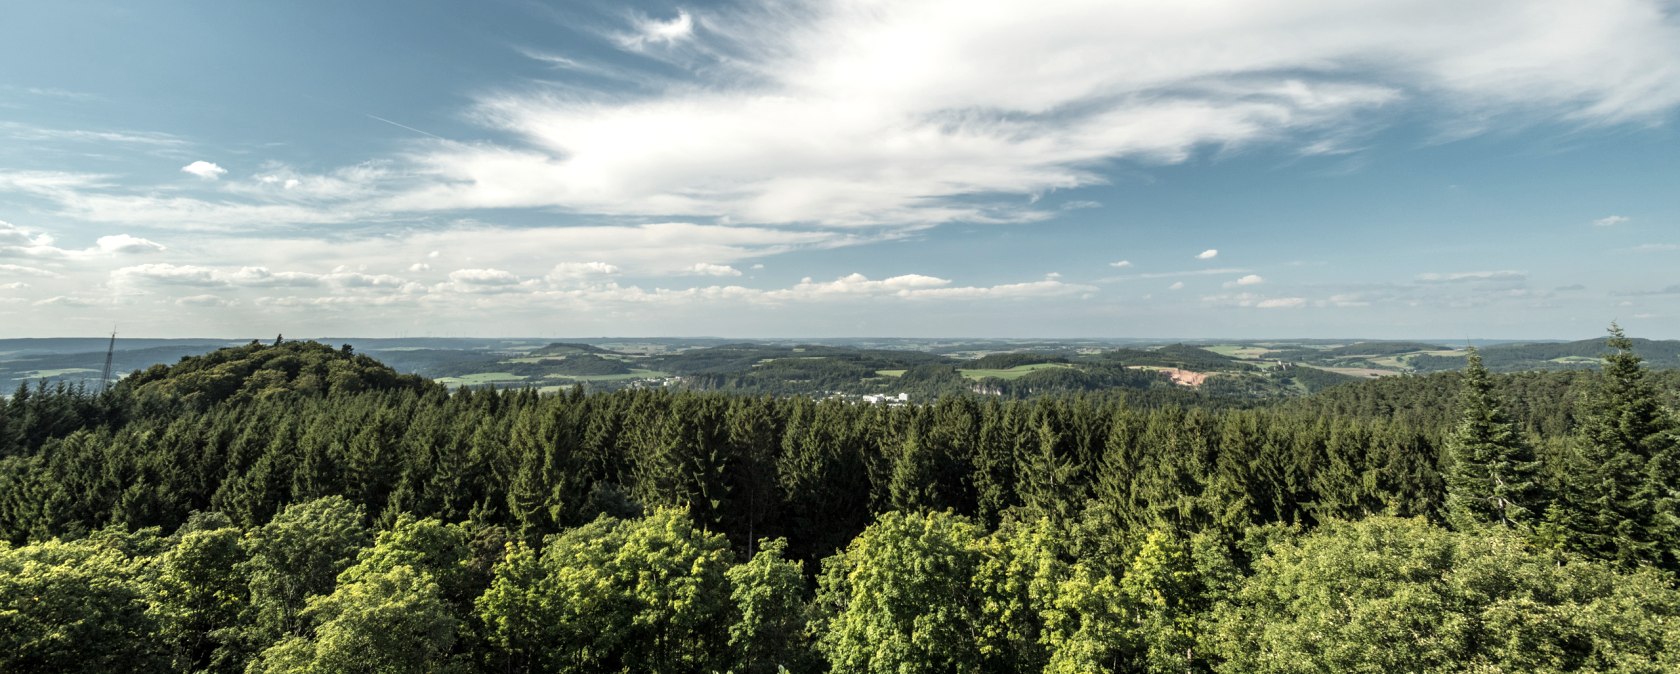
column 1407, row 170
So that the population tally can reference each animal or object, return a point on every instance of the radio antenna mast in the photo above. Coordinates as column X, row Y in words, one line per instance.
column 110, row 351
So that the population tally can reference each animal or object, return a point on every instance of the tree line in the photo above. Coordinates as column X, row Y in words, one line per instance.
column 299, row 508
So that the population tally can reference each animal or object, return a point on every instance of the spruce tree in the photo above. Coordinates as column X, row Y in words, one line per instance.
column 1491, row 470
column 1623, row 429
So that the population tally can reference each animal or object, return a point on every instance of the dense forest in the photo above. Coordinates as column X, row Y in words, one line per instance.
column 301, row 508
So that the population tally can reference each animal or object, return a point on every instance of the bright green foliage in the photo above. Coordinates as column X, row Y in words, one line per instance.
column 1398, row 595
column 645, row 595
column 1491, row 470
column 1017, row 580
column 516, row 611
column 441, row 551
column 1087, row 626
column 898, row 600
column 391, row 621
column 76, row 607
column 198, row 596
column 1152, row 615
column 298, row 555
column 768, row 631
column 1161, row 592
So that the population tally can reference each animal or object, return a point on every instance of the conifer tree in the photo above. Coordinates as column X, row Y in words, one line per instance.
column 1623, row 429
column 1491, row 471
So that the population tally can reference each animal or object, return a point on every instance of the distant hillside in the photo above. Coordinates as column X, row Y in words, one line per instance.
column 257, row 370
column 1004, row 361
column 1176, row 355
column 584, row 364
column 1380, row 349
column 571, row 348
column 1555, row 356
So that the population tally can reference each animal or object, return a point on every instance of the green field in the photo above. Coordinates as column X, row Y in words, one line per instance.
column 480, row 378
column 1242, row 351
column 531, row 360
column 632, row 374
column 1016, row 372
column 1006, row 373
column 1355, row 371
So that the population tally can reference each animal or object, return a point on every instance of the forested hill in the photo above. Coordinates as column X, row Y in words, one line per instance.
column 257, row 371
column 1585, row 353
column 301, row 508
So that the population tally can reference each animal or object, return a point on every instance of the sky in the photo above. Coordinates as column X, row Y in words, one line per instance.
column 1057, row 168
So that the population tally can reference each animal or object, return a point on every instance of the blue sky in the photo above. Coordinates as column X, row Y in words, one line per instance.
column 1418, row 169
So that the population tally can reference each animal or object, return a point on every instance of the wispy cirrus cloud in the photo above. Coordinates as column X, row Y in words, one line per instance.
column 652, row 31
column 904, row 112
column 32, row 133
column 1471, row 276
column 1255, row 301
column 930, row 111
column 246, row 277
column 1222, row 271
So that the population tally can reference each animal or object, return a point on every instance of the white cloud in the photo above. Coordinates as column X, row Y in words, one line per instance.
column 899, row 113
column 1656, row 247
column 483, row 277
column 1255, row 301
column 65, row 301
column 25, row 132
column 16, row 241
column 483, row 281
column 419, row 267
column 1471, row 276
column 1122, row 264
column 1249, row 280
column 1220, row 271
column 858, row 284
column 708, row 269
column 572, row 271
column 654, row 31
column 203, row 169
column 921, row 287
column 1208, row 254
column 123, row 243
column 920, row 112
column 1177, row 285
column 1610, row 221
column 203, row 301
column 21, row 270
column 164, row 273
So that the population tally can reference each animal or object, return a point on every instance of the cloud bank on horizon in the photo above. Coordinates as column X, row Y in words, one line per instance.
column 913, row 167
